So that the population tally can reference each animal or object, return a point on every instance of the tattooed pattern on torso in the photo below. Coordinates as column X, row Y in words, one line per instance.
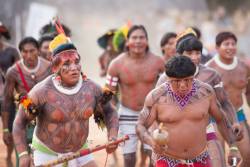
column 63, row 124
column 31, row 78
column 162, row 96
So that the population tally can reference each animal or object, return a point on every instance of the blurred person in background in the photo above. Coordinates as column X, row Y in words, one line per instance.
column 44, row 47
column 235, row 77
column 135, row 72
column 20, row 78
column 8, row 56
column 168, row 42
column 205, row 55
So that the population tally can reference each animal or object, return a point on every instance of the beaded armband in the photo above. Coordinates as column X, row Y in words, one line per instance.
column 98, row 113
column 26, row 104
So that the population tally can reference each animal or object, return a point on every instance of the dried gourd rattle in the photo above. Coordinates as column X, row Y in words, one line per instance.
column 161, row 136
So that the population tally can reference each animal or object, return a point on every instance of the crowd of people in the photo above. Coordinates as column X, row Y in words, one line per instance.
column 182, row 107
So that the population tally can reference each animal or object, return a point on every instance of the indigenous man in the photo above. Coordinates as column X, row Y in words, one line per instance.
column 105, row 42
column 64, row 102
column 20, row 78
column 183, row 104
column 8, row 56
column 44, row 47
column 168, row 42
column 136, row 72
column 190, row 46
column 235, row 75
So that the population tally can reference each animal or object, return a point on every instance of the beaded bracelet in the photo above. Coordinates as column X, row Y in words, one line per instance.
column 233, row 148
column 23, row 154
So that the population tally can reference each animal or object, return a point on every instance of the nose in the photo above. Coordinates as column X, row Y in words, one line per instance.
column 182, row 85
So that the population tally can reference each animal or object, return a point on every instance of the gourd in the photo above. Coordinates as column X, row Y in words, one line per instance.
column 161, row 136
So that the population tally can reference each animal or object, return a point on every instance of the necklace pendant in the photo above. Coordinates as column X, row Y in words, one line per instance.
column 33, row 76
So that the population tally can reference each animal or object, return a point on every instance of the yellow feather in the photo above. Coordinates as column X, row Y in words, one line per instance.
column 57, row 41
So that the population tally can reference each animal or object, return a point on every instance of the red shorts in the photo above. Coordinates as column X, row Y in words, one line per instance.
column 202, row 160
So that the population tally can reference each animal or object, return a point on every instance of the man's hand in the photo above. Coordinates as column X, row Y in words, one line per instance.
column 237, row 131
column 7, row 138
column 234, row 157
column 159, row 149
column 111, row 147
column 25, row 161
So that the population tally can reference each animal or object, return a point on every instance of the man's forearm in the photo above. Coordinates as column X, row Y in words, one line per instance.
column 111, row 119
column 19, row 134
column 143, row 134
column 229, row 111
column 226, row 131
column 5, row 119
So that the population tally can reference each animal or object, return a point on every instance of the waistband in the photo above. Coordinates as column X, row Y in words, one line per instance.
column 201, row 158
column 40, row 146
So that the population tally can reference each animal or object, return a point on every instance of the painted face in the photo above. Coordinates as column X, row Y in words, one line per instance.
column 227, row 49
column 169, row 48
column 29, row 54
column 181, row 86
column 194, row 55
column 69, row 67
column 45, row 52
column 137, row 42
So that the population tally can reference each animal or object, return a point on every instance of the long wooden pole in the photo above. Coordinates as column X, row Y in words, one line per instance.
column 83, row 152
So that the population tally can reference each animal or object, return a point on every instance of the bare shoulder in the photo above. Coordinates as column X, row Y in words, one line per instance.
column 119, row 59
column 155, row 58
column 209, row 71
column 12, row 72
column 210, row 63
column 243, row 64
column 155, row 94
column 204, row 88
column 45, row 63
column 43, row 85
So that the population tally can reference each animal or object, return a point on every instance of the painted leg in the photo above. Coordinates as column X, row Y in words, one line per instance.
column 244, row 146
column 216, row 153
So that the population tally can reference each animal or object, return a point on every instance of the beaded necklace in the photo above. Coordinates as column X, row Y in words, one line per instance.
column 182, row 101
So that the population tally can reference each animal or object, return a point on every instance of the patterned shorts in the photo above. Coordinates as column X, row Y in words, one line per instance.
column 202, row 160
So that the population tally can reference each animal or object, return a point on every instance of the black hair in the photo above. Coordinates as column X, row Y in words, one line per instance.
column 166, row 37
column 197, row 32
column 180, row 66
column 44, row 38
column 188, row 44
column 27, row 40
column 137, row 27
column 222, row 36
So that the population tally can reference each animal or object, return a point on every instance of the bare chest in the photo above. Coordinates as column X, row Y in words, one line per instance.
column 236, row 78
column 169, row 110
column 132, row 74
column 63, row 108
column 29, row 79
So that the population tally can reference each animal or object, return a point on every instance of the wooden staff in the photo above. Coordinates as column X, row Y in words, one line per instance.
column 83, row 152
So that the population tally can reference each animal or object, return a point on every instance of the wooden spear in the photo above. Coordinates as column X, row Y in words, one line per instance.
column 83, row 152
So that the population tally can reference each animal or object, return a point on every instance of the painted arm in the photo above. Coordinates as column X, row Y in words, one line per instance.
column 223, row 99
column 161, row 80
column 112, row 77
column 111, row 120
column 248, row 92
column 223, row 123
column 8, row 98
column 146, row 119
